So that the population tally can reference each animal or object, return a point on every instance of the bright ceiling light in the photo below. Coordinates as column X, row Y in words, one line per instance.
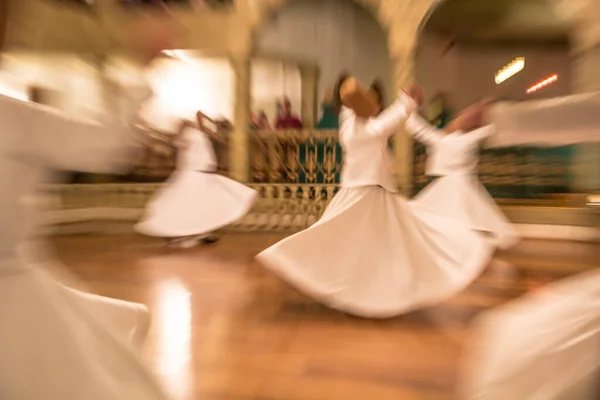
column 542, row 84
column 513, row 68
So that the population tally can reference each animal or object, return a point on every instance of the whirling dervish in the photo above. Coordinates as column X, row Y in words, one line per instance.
column 452, row 162
column 372, row 254
column 57, row 343
column 195, row 201
column 543, row 346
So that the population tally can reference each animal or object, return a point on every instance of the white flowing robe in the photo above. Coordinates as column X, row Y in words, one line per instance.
column 373, row 254
column 543, row 346
column 458, row 193
column 195, row 200
column 51, row 346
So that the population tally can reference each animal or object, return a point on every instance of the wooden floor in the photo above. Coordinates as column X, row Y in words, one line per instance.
column 223, row 329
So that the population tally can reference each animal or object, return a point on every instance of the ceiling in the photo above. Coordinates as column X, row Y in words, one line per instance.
column 499, row 22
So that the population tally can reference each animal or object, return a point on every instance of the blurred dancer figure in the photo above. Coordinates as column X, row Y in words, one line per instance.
column 372, row 254
column 543, row 346
column 56, row 343
column 195, row 201
column 128, row 321
column 453, row 156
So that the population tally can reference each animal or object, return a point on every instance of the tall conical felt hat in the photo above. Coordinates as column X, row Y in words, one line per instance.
column 362, row 101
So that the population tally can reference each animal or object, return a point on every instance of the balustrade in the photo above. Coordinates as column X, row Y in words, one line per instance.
column 518, row 174
column 297, row 173
column 525, row 175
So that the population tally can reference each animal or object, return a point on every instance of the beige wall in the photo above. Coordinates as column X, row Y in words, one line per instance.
column 434, row 71
column 466, row 73
column 478, row 65
column 334, row 35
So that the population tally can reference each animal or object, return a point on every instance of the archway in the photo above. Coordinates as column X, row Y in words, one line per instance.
column 537, row 37
column 299, row 53
column 332, row 36
column 399, row 20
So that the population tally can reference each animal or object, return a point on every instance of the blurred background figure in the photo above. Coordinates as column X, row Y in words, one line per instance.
column 440, row 112
column 286, row 119
column 262, row 122
column 329, row 117
column 196, row 201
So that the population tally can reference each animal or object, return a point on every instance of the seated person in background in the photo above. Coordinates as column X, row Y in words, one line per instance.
column 285, row 119
column 262, row 122
column 329, row 119
column 440, row 112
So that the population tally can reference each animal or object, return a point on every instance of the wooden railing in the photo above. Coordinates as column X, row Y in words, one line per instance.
column 297, row 174
column 281, row 207
column 520, row 174
column 311, row 159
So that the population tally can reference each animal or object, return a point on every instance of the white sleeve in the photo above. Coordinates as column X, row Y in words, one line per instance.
column 386, row 124
column 57, row 141
column 549, row 122
column 421, row 130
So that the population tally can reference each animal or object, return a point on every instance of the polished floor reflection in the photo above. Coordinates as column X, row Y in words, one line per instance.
column 225, row 329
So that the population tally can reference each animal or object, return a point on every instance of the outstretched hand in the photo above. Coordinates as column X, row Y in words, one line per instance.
column 473, row 116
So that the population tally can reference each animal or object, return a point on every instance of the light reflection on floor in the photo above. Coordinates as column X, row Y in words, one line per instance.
column 172, row 316
column 225, row 329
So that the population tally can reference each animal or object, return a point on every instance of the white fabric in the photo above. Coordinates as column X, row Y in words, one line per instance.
column 463, row 198
column 544, row 346
column 366, row 156
column 196, row 152
column 455, row 153
column 51, row 347
column 128, row 321
column 549, row 122
column 457, row 193
column 192, row 202
column 372, row 254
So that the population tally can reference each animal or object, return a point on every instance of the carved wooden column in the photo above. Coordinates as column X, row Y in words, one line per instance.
column 401, row 20
column 239, row 143
column 310, row 94
column 403, row 143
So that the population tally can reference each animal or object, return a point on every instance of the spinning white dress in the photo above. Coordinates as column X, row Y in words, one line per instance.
column 195, row 200
column 544, row 346
column 557, row 121
column 56, row 343
column 457, row 193
column 128, row 321
column 372, row 254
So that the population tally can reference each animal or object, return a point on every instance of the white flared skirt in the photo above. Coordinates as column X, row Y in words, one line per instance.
column 544, row 346
column 374, row 255
column 462, row 197
column 56, row 343
column 127, row 321
column 195, row 203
